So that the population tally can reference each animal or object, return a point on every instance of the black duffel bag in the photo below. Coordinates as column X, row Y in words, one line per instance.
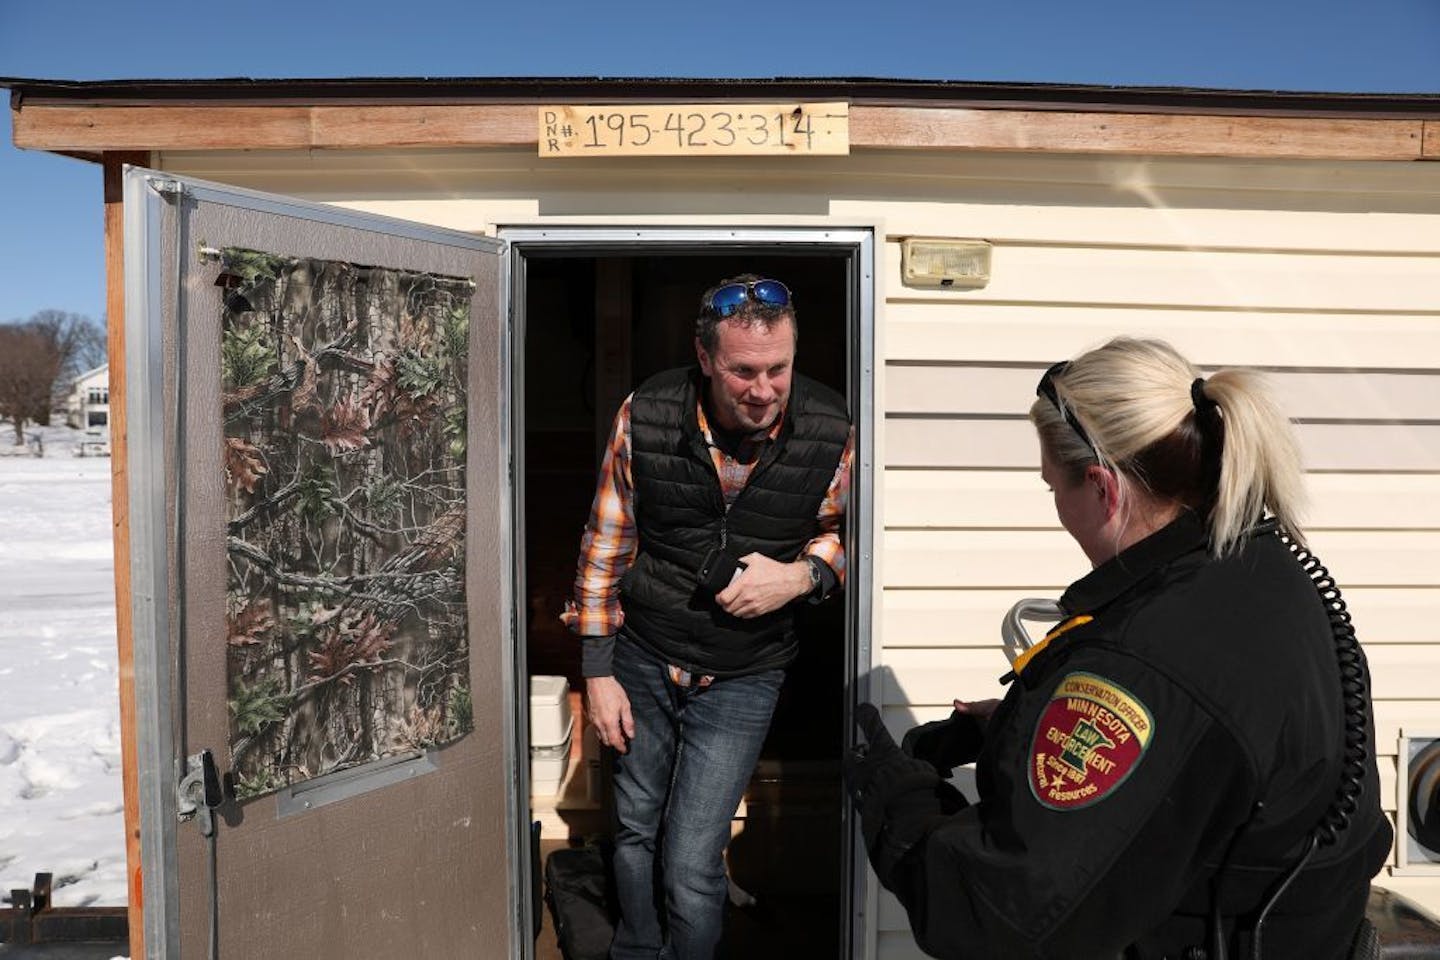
column 582, row 901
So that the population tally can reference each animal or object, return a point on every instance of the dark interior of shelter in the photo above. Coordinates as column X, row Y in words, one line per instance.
column 595, row 326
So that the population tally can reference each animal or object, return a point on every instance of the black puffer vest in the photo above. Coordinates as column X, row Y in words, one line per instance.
column 680, row 516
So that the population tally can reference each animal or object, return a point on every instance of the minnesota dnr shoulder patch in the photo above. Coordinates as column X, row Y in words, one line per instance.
column 1090, row 737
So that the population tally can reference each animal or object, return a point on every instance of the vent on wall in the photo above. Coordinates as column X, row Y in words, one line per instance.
column 1418, row 811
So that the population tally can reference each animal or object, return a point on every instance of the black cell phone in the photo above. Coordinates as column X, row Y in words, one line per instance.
column 718, row 569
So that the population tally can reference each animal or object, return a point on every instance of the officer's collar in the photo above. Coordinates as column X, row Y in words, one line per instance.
column 1101, row 586
column 1187, row 533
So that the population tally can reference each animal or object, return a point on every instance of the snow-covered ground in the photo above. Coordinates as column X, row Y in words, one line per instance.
column 61, row 807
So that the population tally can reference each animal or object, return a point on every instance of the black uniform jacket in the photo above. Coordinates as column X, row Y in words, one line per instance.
column 1199, row 707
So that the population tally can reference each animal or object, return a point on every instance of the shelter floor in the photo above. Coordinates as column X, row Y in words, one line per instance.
column 79, row 951
column 788, row 927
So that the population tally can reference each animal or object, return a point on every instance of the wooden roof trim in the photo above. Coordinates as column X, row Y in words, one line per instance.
column 91, row 128
column 1149, row 134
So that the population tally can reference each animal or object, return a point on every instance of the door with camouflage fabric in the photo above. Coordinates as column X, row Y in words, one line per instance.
column 319, row 521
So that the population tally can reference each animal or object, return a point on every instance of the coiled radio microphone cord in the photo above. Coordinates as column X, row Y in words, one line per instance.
column 1355, row 694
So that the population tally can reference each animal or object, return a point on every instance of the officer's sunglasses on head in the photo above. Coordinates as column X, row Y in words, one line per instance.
column 1046, row 389
column 727, row 299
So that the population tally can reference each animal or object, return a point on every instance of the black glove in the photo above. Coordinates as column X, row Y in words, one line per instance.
column 897, row 796
column 946, row 744
column 877, row 758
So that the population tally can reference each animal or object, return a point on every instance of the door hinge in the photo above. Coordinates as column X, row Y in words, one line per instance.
column 166, row 187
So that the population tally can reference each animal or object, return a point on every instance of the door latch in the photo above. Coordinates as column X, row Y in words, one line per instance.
column 199, row 791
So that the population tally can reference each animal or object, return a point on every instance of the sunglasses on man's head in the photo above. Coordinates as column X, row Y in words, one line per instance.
column 727, row 299
column 1046, row 389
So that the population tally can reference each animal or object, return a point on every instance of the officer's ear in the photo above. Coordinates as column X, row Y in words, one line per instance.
column 1103, row 484
column 707, row 365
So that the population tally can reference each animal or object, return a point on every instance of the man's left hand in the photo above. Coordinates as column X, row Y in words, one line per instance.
column 764, row 586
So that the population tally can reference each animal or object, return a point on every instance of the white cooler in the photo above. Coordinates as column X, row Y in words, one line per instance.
column 550, row 723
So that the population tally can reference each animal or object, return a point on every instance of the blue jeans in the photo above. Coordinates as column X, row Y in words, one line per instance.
column 676, row 791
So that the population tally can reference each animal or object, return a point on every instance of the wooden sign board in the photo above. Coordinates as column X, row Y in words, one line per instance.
column 691, row 129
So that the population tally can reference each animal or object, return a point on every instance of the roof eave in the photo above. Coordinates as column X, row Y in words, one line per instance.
column 869, row 90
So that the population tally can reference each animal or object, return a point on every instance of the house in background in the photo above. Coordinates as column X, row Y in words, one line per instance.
column 88, row 408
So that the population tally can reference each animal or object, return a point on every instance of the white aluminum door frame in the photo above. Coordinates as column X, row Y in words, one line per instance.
column 858, row 934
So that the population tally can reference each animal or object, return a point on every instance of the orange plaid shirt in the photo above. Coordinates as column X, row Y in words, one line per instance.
column 608, row 546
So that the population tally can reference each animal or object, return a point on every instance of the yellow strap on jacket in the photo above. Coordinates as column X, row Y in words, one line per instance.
column 1071, row 624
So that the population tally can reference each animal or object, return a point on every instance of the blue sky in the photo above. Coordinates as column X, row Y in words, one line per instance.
column 50, row 210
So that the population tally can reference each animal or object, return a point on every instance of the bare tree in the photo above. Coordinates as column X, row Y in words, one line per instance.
column 76, row 343
column 38, row 360
column 27, row 375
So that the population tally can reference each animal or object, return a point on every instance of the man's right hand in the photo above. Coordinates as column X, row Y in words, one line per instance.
column 608, row 708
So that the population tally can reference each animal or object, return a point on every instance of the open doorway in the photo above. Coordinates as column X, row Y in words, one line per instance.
column 595, row 320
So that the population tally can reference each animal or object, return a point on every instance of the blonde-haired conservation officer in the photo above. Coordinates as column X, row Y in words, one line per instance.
column 1184, row 767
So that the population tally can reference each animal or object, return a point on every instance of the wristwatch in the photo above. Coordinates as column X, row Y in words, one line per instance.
column 812, row 563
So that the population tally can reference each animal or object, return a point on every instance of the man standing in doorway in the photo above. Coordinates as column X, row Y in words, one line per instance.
column 719, row 506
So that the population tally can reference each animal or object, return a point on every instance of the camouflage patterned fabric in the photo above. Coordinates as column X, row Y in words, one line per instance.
column 344, row 458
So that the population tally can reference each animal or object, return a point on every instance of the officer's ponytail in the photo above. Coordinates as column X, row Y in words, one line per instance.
column 1218, row 446
column 1259, row 459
